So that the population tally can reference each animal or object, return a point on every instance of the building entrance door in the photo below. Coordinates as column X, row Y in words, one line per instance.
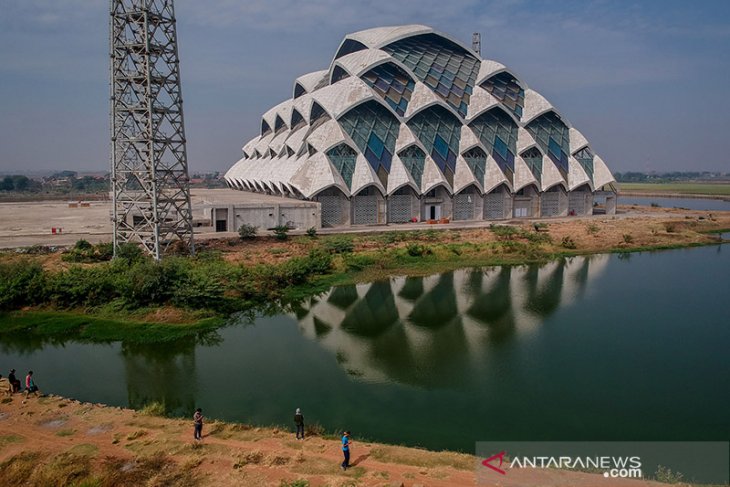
column 434, row 212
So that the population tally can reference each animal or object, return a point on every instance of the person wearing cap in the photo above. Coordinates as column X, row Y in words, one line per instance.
column 14, row 382
column 346, row 449
column 299, row 422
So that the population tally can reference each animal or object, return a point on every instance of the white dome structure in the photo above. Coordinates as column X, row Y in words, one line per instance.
column 408, row 124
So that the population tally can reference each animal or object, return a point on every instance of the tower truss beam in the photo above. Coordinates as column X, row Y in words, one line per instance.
column 149, row 168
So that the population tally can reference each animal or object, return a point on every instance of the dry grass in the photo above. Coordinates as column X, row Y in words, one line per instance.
column 31, row 469
column 10, row 440
column 156, row 470
column 254, row 457
column 422, row 458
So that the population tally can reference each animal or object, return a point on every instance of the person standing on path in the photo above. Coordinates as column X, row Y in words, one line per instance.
column 299, row 422
column 198, row 423
column 30, row 387
column 346, row 449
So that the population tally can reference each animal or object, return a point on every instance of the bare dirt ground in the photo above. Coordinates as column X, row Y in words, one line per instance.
column 57, row 441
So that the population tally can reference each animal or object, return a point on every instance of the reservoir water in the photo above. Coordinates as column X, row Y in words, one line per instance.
column 700, row 204
column 606, row 347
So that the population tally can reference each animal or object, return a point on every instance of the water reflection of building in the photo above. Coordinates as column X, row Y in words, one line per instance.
column 420, row 330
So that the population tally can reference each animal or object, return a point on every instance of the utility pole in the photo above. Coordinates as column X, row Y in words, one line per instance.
column 149, row 167
column 476, row 43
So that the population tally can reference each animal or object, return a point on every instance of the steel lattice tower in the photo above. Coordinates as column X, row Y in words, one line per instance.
column 149, row 173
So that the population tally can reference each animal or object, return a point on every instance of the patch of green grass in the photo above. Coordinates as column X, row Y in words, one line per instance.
column 67, row 432
column 92, row 328
column 84, row 450
column 6, row 440
column 722, row 189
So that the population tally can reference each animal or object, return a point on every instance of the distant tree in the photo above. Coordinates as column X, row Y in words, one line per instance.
column 7, row 184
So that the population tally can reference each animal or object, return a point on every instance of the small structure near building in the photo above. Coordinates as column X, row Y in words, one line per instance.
column 228, row 210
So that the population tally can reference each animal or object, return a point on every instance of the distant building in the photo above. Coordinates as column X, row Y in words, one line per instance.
column 408, row 124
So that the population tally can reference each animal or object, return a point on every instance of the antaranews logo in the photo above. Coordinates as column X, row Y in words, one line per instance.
column 499, row 456
column 612, row 467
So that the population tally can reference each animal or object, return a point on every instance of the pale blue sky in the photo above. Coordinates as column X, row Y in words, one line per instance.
column 645, row 81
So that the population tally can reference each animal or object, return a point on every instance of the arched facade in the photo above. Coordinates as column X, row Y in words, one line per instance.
column 335, row 207
column 404, row 205
column 498, row 203
column 468, row 204
column 407, row 123
column 554, row 201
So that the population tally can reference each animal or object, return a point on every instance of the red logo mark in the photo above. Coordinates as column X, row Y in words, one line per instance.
column 487, row 462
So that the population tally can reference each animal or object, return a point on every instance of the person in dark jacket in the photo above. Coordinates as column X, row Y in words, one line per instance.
column 14, row 382
column 299, row 422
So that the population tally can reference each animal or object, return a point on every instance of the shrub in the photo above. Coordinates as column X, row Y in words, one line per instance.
column 670, row 227
column 503, row 232
column 628, row 238
column 666, row 476
column 358, row 262
column 148, row 282
column 592, row 229
column 84, row 286
column 199, row 289
column 83, row 251
column 312, row 232
column 281, row 232
column 83, row 245
column 417, row 250
column 154, row 408
column 129, row 252
column 295, row 483
column 339, row 245
column 22, row 283
column 568, row 243
column 247, row 231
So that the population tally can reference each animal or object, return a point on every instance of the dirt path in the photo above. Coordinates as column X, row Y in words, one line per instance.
column 56, row 441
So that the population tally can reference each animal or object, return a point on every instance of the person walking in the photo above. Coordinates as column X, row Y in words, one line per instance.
column 14, row 382
column 346, row 449
column 30, row 387
column 299, row 422
column 198, row 424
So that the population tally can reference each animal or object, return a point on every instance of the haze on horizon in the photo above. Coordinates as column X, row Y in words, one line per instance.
column 644, row 81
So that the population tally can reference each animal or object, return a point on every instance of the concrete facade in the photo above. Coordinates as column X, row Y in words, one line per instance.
column 406, row 123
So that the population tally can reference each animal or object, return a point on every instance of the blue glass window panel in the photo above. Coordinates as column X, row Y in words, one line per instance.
column 498, row 132
column 343, row 158
column 440, row 64
column 392, row 84
column 414, row 159
column 505, row 88
column 551, row 134
column 439, row 131
column 441, row 146
column 501, row 147
column 585, row 158
column 348, row 47
column 376, row 145
column 374, row 130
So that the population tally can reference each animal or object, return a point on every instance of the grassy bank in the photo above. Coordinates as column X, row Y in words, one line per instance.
column 82, row 294
column 85, row 326
column 720, row 189
column 56, row 441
